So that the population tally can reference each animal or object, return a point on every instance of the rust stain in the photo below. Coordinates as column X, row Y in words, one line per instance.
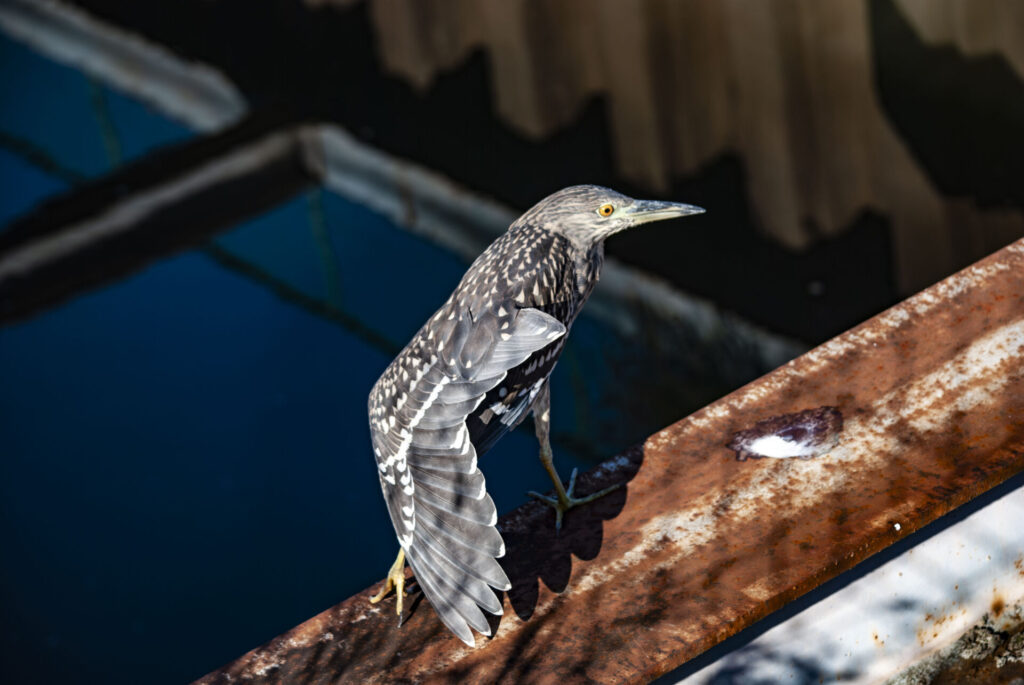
column 997, row 607
column 932, row 626
column 698, row 546
column 923, row 632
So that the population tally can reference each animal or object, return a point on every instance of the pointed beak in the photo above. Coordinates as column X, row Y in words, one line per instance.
column 645, row 211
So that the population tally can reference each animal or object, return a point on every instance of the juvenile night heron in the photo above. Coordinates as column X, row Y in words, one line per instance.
column 471, row 374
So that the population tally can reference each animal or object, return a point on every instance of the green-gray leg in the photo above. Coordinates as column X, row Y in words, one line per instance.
column 563, row 500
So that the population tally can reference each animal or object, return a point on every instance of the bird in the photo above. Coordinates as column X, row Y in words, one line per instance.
column 473, row 372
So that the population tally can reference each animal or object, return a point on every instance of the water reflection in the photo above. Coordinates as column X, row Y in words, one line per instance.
column 59, row 127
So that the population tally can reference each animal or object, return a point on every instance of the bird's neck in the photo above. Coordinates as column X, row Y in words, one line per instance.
column 587, row 265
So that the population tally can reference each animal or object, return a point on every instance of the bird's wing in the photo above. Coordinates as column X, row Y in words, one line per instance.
column 427, row 464
column 508, row 404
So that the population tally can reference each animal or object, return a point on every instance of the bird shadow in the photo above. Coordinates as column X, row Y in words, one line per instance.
column 535, row 552
column 538, row 553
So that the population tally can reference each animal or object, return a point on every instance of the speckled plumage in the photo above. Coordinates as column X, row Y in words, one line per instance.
column 471, row 374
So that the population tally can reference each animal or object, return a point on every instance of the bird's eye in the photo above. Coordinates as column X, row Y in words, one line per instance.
column 606, row 210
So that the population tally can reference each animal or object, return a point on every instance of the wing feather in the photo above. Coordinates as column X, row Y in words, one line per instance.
column 474, row 510
column 475, row 389
column 486, row 539
column 461, row 604
column 467, row 583
column 435, row 493
column 439, row 599
column 480, row 565
column 471, row 484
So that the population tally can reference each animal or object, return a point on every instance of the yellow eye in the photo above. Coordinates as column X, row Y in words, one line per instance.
column 606, row 210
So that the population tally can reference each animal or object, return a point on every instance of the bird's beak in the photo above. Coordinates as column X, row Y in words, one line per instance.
column 645, row 211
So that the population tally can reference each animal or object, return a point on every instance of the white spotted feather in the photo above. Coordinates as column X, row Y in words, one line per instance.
column 436, row 494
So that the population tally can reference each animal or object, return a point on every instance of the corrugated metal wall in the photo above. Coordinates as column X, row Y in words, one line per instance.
column 788, row 85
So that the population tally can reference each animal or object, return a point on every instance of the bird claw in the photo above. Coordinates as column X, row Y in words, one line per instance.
column 562, row 502
column 395, row 579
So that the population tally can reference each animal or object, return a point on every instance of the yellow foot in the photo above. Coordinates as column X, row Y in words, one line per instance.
column 395, row 579
column 563, row 500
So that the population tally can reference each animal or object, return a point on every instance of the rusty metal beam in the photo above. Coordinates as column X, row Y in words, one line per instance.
column 699, row 545
column 907, row 605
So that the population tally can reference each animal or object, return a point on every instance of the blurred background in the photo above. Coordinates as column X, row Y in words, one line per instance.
column 219, row 220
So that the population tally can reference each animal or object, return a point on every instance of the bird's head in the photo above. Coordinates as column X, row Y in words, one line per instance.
column 586, row 215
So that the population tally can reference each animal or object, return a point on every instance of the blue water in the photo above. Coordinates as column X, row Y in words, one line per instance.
column 82, row 129
column 186, row 469
column 22, row 186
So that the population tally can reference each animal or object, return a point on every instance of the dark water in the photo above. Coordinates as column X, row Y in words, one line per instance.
column 186, row 464
column 186, row 469
column 58, row 126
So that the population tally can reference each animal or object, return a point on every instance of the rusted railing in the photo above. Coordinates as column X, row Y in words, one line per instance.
column 699, row 545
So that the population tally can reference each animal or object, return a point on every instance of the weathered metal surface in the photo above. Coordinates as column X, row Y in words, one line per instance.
column 685, row 83
column 915, row 604
column 699, row 545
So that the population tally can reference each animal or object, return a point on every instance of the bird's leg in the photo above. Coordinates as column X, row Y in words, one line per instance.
column 563, row 500
column 396, row 579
